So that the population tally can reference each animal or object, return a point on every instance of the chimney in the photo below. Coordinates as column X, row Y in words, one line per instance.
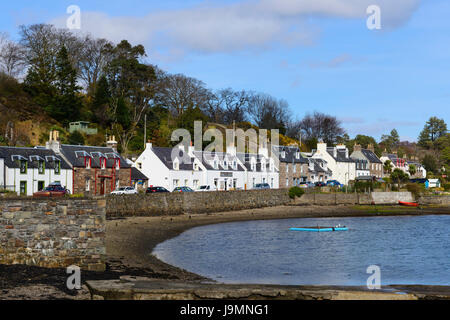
column 321, row 147
column 112, row 143
column 370, row 147
column 357, row 147
column 53, row 143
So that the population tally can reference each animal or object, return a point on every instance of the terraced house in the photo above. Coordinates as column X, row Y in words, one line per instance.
column 28, row 170
column 291, row 166
column 367, row 161
column 96, row 170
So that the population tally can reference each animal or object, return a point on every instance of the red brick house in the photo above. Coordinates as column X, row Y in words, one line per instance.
column 96, row 170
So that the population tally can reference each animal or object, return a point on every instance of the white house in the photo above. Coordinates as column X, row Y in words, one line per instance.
column 157, row 165
column 343, row 168
column 28, row 170
column 259, row 168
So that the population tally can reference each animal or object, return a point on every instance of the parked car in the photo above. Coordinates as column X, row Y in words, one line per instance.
column 182, row 189
column 306, row 185
column 206, row 188
column 156, row 190
column 261, row 186
column 320, row 184
column 334, row 183
column 124, row 190
column 53, row 190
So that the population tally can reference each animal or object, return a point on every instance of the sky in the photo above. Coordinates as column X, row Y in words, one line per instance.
column 319, row 55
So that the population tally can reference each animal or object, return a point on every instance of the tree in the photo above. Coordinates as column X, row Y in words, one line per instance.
column 231, row 106
column 11, row 57
column 179, row 92
column 433, row 130
column 319, row 126
column 412, row 169
column 399, row 176
column 132, row 88
column 75, row 138
column 100, row 103
column 268, row 112
column 391, row 141
column 387, row 167
column 67, row 103
column 430, row 163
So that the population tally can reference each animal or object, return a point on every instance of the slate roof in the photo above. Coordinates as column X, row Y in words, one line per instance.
column 136, row 174
column 290, row 154
column 317, row 167
column 32, row 155
column 73, row 154
column 246, row 157
column 371, row 156
column 200, row 155
column 165, row 155
column 340, row 155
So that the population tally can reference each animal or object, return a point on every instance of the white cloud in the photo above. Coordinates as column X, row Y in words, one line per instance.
column 246, row 25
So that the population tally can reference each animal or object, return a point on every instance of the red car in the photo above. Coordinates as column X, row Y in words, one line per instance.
column 53, row 190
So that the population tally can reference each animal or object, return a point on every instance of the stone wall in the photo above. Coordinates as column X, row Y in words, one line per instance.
column 194, row 202
column 53, row 233
column 438, row 200
column 354, row 198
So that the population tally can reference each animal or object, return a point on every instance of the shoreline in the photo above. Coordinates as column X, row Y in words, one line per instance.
column 130, row 242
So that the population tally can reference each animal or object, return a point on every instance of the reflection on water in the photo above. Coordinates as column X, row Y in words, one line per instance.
column 409, row 250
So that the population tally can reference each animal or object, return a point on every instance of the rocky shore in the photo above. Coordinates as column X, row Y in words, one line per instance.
column 130, row 241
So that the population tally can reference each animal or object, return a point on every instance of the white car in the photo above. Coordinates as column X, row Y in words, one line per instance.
column 125, row 190
column 206, row 188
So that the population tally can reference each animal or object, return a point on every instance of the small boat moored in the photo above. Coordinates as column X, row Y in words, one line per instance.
column 408, row 204
column 321, row 229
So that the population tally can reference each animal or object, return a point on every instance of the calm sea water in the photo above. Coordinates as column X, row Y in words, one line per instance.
column 408, row 250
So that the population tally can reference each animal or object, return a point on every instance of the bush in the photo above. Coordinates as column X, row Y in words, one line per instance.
column 447, row 187
column 296, row 192
column 416, row 189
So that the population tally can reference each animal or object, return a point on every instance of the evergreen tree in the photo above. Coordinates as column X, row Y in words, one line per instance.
column 67, row 103
column 433, row 130
column 100, row 103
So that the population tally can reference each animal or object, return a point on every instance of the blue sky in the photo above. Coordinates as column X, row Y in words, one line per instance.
column 316, row 54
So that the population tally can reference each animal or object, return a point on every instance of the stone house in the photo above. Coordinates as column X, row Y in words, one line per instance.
column 367, row 162
column 318, row 171
column 292, row 167
column 96, row 170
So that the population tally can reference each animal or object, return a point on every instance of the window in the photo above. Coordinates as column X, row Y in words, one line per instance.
column 41, row 185
column 287, row 182
column 176, row 165
column 118, row 164
column 23, row 187
column 41, row 167
column 216, row 182
column 196, row 166
column 295, row 168
column 139, row 165
column 102, row 163
column 196, row 184
column 234, row 184
column 57, row 167
column 254, row 182
column 88, row 184
column 287, row 168
column 23, row 166
column 216, row 165
column 176, row 183
column 88, row 163
column 271, row 183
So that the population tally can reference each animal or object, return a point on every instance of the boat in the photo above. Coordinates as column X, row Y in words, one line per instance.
column 408, row 204
column 321, row 229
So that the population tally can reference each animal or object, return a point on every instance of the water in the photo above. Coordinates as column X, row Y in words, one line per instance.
column 408, row 250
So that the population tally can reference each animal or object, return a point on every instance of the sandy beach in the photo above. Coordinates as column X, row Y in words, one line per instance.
column 130, row 241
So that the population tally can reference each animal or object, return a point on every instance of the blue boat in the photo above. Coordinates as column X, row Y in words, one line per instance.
column 321, row 229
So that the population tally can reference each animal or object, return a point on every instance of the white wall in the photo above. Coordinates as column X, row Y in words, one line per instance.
column 341, row 171
column 2, row 168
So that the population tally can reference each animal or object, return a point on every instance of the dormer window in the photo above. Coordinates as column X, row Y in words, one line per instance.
column 195, row 166
column 234, row 165
column 41, row 167
column 216, row 164
column 176, row 165
column 297, row 155
column 87, row 163
column 23, row 166
column 102, row 163
column 57, row 167
column 118, row 164
column 283, row 154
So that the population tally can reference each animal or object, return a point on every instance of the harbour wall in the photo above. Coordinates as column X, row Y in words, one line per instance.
column 354, row 198
column 53, row 233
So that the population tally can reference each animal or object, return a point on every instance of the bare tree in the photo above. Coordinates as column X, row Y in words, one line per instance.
column 93, row 60
column 233, row 105
column 319, row 126
column 178, row 92
column 11, row 57
column 268, row 112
